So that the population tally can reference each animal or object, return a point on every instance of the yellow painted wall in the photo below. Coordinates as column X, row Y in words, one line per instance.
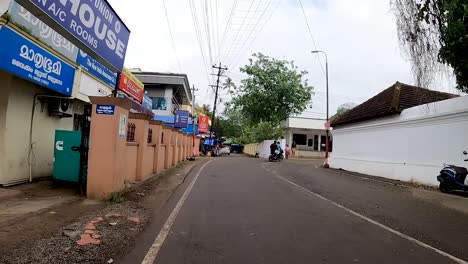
column 16, row 133
column 5, row 88
column 251, row 149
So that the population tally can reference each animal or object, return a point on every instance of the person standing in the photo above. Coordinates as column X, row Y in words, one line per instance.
column 288, row 151
column 293, row 148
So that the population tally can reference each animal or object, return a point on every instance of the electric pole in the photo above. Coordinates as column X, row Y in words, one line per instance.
column 193, row 121
column 220, row 71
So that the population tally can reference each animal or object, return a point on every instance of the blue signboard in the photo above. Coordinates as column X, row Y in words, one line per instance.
column 25, row 59
column 93, row 23
column 147, row 102
column 181, row 119
column 105, row 109
column 96, row 68
column 37, row 28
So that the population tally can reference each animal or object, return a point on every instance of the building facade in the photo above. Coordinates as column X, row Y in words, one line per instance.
column 168, row 92
column 397, row 135
column 46, row 80
column 309, row 134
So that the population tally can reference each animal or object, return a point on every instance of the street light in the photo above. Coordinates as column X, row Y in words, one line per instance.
column 325, row 164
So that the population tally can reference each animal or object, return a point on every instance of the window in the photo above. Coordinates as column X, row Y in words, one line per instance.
column 150, row 135
column 310, row 142
column 159, row 103
column 323, row 141
column 130, row 132
column 162, row 137
column 300, row 139
column 316, row 142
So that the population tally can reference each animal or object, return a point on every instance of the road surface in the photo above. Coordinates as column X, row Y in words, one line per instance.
column 245, row 210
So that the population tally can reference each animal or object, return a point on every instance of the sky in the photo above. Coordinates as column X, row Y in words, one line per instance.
column 358, row 36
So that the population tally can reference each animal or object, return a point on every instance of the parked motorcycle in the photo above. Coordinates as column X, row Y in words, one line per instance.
column 452, row 178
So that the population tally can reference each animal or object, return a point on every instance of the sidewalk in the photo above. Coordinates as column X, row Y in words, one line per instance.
column 65, row 228
column 18, row 201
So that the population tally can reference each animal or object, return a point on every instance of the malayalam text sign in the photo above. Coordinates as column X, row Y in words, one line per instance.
column 105, row 109
column 38, row 29
column 93, row 24
column 96, row 68
column 131, row 86
column 25, row 59
column 203, row 124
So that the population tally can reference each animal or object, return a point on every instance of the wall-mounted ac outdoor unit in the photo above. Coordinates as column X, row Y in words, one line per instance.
column 60, row 108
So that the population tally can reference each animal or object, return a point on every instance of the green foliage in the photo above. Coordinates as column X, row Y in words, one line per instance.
column 259, row 132
column 115, row 197
column 231, row 124
column 454, row 38
column 203, row 110
column 343, row 109
column 274, row 90
column 433, row 31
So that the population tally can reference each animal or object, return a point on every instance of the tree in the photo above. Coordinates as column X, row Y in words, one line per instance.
column 432, row 33
column 274, row 90
column 260, row 132
column 343, row 109
column 231, row 123
column 205, row 109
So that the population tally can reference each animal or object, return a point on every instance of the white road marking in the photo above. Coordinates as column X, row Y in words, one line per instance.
column 389, row 229
column 159, row 240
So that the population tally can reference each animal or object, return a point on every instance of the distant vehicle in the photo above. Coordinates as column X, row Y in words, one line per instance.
column 225, row 150
column 452, row 178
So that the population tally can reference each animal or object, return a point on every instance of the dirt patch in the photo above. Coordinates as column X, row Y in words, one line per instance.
column 84, row 232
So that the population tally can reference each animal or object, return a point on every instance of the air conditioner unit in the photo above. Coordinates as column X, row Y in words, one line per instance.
column 60, row 108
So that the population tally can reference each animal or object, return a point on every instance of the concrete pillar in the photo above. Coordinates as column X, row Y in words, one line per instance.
column 141, row 122
column 158, row 158
column 174, row 147
column 167, row 137
column 107, row 148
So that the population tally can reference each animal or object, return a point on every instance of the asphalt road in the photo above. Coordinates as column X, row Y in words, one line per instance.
column 244, row 210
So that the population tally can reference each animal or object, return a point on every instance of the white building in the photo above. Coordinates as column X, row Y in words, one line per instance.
column 309, row 135
column 404, row 133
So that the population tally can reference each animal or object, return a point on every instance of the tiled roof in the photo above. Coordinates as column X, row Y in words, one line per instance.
column 391, row 101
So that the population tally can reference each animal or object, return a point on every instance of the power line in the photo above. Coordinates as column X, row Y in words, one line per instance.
column 240, row 29
column 217, row 28
column 233, row 8
column 172, row 38
column 207, row 26
column 193, row 10
column 243, row 51
column 310, row 33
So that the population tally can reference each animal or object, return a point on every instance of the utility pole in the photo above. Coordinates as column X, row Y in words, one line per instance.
column 220, row 71
column 327, row 126
column 193, row 121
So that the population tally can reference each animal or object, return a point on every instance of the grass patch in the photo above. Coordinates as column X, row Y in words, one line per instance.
column 115, row 197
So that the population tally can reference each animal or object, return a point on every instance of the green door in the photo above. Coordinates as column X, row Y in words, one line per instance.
column 66, row 160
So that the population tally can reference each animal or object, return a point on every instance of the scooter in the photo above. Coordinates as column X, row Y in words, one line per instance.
column 276, row 156
column 452, row 178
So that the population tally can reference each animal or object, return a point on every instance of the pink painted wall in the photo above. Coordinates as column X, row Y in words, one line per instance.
column 106, row 172
column 131, row 161
column 161, row 158
column 148, row 160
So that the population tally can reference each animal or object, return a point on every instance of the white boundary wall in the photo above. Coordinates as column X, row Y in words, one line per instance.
column 264, row 148
column 411, row 146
